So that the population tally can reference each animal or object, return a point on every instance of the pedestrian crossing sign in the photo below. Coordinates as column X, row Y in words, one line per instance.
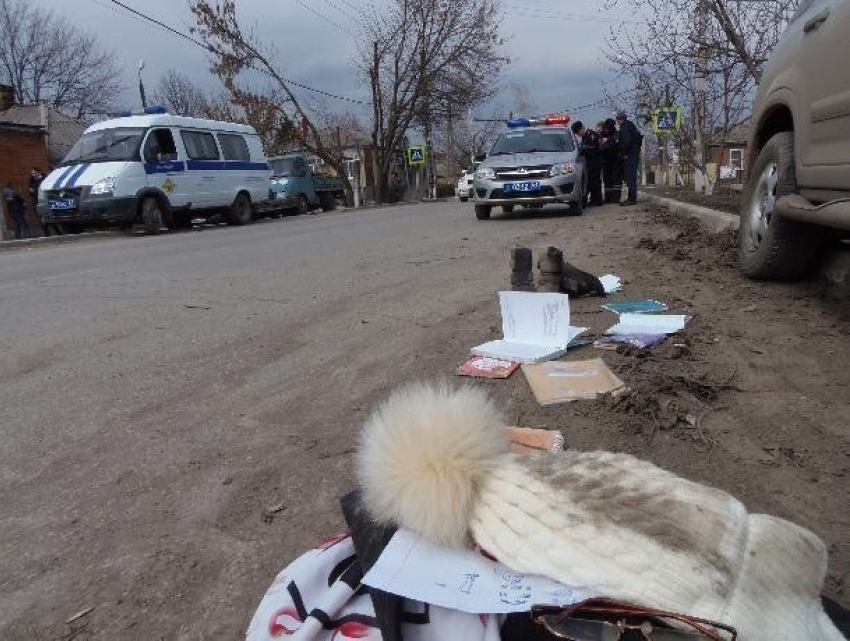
column 416, row 155
column 667, row 120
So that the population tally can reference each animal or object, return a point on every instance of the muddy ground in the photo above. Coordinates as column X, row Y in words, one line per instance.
column 163, row 393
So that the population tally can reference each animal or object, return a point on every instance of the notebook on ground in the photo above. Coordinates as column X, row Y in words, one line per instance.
column 535, row 327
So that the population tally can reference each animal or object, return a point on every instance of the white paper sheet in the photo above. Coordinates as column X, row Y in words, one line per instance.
column 462, row 580
column 649, row 324
column 611, row 283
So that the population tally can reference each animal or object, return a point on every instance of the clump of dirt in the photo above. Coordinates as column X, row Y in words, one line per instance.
column 691, row 241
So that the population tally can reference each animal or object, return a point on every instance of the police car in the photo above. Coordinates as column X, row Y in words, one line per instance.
column 157, row 169
column 534, row 163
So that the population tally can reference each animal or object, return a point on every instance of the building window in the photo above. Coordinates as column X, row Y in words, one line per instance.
column 736, row 159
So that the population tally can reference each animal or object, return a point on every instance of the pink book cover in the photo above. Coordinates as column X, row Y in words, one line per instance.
column 486, row 367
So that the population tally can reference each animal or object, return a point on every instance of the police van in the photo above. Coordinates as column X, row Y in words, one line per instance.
column 157, row 169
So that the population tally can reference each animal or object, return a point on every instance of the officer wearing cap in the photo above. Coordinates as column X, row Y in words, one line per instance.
column 589, row 148
column 631, row 141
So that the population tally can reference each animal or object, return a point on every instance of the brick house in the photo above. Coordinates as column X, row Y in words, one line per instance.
column 31, row 136
column 729, row 155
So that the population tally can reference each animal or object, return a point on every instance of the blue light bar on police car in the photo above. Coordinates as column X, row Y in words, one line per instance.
column 552, row 119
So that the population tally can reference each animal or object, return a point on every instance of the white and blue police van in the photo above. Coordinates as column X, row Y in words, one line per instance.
column 157, row 169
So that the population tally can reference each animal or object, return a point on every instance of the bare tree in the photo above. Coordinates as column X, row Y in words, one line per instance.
column 704, row 55
column 181, row 96
column 426, row 60
column 239, row 56
column 46, row 59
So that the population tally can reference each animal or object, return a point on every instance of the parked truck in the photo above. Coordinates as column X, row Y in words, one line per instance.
column 294, row 182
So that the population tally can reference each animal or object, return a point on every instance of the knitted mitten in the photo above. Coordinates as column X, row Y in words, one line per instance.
column 436, row 461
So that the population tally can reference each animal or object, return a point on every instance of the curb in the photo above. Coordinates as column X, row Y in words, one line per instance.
column 834, row 268
column 12, row 245
column 716, row 220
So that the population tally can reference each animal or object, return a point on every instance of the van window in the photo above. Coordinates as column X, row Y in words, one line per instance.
column 200, row 145
column 106, row 145
column 160, row 147
column 233, row 147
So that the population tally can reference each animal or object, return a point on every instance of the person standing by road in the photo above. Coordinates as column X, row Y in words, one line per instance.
column 589, row 148
column 17, row 209
column 612, row 164
column 36, row 178
column 631, row 141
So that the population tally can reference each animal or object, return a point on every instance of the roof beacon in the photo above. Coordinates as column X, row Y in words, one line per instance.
column 553, row 119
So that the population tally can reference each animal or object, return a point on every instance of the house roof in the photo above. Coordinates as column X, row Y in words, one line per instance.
column 62, row 131
column 736, row 135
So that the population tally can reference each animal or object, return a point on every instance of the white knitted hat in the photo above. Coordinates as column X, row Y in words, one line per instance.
column 436, row 461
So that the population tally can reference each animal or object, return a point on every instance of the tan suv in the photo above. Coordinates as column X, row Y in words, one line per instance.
column 799, row 145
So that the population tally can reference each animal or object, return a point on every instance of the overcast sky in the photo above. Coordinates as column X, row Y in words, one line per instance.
column 556, row 47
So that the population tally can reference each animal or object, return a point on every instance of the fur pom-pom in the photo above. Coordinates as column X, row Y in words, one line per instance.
column 422, row 456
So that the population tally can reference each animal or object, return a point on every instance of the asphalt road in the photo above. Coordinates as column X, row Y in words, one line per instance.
column 157, row 395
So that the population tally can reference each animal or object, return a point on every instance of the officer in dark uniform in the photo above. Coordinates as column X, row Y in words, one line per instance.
column 612, row 165
column 631, row 141
column 589, row 148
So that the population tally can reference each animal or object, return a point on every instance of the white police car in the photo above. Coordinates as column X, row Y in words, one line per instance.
column 157, row 169
column 534, row 163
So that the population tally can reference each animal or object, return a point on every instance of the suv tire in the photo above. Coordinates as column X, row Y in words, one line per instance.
column 770, row 247
column 482, row 212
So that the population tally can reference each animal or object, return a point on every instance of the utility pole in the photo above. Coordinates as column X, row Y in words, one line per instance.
column 665, row 138
column 450, row 143
column 700, row 97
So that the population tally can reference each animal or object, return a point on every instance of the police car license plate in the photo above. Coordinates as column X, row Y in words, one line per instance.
column 63, row 204
column 531, row 185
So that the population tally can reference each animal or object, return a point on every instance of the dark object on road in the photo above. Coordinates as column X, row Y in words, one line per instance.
column 576, row 282
column 522, row 278
column 551, row 265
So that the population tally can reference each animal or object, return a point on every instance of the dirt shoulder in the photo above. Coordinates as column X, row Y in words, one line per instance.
column 751, row 398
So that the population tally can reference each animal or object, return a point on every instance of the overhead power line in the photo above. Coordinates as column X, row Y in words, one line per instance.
column 207, row 48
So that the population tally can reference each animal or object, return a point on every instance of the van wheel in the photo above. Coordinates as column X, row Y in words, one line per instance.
column 482, row 212
column 240, row 212
column 151, row 215
column 770, row 247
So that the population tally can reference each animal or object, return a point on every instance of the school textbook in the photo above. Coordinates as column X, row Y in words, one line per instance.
column 535, row 327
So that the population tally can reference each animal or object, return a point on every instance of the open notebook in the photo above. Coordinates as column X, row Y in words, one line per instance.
column 535, row 327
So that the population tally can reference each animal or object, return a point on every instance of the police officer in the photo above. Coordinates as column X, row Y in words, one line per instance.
column 612, row 164
column 589, row 148
column 631, row 141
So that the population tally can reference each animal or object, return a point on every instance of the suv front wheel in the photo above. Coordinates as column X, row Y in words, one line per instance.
column 770, row 247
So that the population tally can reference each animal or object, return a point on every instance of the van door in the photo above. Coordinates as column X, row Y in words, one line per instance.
column 204, row 165
column 239, row 171
column 164, row 170
column 825, row 106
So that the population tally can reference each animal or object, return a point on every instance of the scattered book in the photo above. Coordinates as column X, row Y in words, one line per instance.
column 486, row 367
column 565, row 381
column 649, row 324
column 646, row 306
column 535, row 327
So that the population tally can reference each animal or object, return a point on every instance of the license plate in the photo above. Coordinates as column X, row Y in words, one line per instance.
column 532, row 185
column 63, row 204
